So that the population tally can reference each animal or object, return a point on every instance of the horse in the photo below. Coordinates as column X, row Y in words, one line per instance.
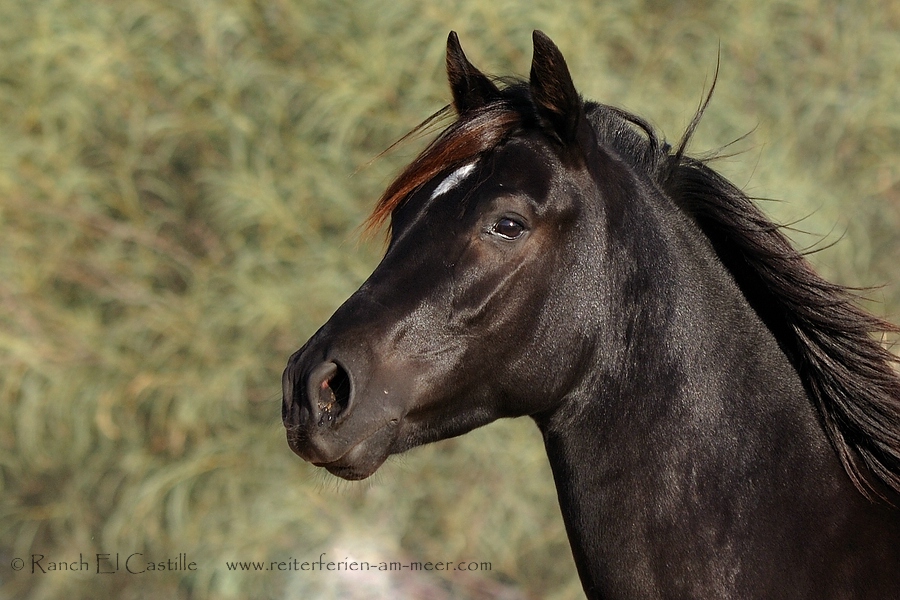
column 720, row 421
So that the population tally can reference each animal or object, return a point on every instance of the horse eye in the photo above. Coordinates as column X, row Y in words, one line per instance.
column 508, row 228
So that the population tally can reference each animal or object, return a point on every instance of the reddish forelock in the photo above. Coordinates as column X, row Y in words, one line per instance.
column 471, row 135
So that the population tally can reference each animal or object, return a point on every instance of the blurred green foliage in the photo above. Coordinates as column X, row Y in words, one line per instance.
column 181, row 184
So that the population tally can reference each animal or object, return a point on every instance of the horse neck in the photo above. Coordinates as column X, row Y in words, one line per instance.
column 691, row 444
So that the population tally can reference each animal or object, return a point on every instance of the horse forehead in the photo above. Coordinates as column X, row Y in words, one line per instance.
column 525, row 164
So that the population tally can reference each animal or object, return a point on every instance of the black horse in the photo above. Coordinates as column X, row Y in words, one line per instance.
column 719, row 419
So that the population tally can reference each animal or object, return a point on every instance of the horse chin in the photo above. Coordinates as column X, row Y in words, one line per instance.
column 349, row 472
column 365, row 457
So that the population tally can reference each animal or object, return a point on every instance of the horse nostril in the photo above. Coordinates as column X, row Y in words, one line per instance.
column 329, row 392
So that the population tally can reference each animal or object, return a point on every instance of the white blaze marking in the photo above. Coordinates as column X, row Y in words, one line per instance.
column 453, row 180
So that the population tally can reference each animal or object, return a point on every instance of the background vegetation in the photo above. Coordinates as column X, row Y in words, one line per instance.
column 180, row 186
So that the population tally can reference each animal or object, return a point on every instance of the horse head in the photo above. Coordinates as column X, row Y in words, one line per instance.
column 483, row 274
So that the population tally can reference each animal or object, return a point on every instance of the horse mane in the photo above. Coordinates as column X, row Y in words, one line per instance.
column 849, row 375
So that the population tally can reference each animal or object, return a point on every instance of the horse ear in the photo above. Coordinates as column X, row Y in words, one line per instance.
column 554, row 95
column 470, row 87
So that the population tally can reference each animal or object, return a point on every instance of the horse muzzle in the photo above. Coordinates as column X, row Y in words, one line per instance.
column 330, row 422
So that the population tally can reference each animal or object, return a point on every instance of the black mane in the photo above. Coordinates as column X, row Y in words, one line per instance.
column 829, row 339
